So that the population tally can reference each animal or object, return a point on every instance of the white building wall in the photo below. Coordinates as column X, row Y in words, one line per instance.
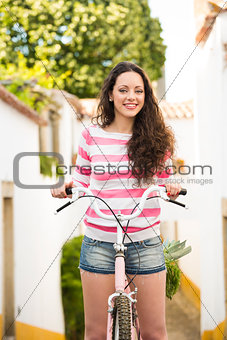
column 13, row 129
column 211, row 77
column 184, row 133
column 186, row 220
column 177, row 21
column 38, row 234
column 223, row 41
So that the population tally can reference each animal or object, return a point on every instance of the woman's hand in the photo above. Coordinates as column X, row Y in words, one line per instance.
column 60, row 192
column 173, row 190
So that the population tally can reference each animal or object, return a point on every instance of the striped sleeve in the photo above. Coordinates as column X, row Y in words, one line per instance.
column 82, row 168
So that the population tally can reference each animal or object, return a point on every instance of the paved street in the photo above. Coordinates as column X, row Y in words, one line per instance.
column 183, row 319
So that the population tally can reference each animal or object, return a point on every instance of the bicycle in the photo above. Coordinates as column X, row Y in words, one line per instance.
column 123, row 323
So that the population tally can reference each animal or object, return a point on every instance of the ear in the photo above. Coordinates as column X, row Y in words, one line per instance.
column 110, row 96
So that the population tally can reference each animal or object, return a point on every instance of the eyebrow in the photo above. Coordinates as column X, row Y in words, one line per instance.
column 127, row 86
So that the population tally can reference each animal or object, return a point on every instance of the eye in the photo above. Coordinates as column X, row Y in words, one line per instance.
column 122, row 90
column 139, row 91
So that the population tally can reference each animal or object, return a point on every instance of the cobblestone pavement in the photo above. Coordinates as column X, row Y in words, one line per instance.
column 182, row 319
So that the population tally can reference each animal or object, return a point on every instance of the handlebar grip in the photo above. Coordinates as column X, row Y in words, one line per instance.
column 68, row 191
column 178, row 203
column 63, row 207
column 183, row 192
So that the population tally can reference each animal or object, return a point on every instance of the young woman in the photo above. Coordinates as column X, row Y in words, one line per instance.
column 124, row 152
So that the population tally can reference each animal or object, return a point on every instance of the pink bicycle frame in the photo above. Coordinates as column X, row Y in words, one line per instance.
column 120, row 282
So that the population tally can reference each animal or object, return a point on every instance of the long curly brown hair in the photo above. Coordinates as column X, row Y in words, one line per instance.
column 152, row 142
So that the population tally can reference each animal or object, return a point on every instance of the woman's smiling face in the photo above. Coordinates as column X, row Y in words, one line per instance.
column 128, row 94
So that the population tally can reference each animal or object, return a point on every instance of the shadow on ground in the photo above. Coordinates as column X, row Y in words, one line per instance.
column 182, row 319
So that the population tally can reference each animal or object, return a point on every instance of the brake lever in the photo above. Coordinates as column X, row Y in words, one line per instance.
column 165, row 197
column 75, row 197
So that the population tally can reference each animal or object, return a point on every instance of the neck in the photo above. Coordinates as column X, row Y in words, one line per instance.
column 122, row 125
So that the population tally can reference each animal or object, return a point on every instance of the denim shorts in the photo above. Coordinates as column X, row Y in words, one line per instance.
column 99, row 257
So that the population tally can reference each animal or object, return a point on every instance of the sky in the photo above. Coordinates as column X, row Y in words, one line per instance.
column 177, row 21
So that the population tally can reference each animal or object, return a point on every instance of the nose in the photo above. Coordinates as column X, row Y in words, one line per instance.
column 131, row 95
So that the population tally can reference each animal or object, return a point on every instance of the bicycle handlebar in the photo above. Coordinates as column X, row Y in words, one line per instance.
column 162, row 191
column 182, row 192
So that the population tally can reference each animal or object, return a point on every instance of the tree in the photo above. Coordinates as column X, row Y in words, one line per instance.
column 86, row 37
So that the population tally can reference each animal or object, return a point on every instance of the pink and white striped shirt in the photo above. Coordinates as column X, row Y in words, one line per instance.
column 102, row 165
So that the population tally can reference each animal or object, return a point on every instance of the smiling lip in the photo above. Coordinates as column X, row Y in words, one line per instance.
column 130, row 106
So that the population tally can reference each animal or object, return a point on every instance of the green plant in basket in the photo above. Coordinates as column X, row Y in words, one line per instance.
column 173, row 251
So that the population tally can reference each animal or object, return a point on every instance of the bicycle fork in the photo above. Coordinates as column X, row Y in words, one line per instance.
column 120, row 282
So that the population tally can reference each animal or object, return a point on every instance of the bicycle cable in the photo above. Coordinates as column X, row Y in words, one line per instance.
column 131, row 279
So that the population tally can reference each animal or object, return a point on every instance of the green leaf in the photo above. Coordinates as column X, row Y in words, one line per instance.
column 172, row 252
